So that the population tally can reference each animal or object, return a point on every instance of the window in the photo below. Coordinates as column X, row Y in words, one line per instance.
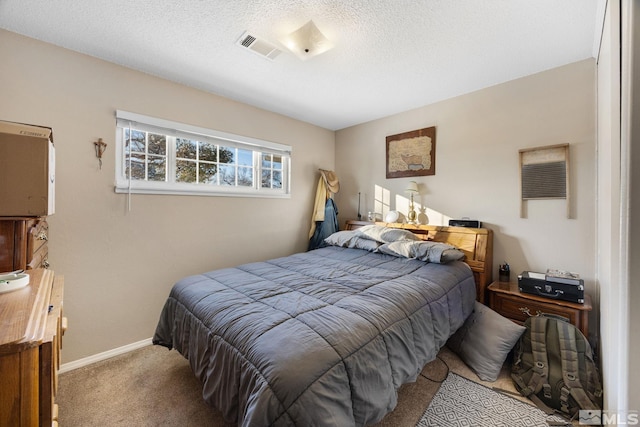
column 160, row 157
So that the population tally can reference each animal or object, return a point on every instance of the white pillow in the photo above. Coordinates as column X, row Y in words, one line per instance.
column 383, row 234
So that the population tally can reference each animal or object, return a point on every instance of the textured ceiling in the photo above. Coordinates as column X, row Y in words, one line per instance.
column 389, row 56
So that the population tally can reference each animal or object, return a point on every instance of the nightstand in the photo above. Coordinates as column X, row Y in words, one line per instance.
column 506, row 299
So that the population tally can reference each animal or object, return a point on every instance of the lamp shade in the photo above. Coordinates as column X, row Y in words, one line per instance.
column 412, row 187
column 307, row 41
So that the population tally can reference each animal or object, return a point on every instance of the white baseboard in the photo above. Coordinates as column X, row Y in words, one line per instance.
column 65, row 367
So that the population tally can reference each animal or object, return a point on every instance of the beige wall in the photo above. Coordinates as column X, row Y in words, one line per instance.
column 478, row 136
column 119, row 265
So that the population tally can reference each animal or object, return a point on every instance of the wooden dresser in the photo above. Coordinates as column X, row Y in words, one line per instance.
column 23, row 243
column 31, row 330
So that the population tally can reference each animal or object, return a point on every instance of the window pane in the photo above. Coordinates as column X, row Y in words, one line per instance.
column 208, row 173
column 266, row 178
column 227, row 175
column 208, row 152
column 157, row 144
column 245, row 157
column 277, row 179
column 266, row 160
column 277, row 162
column 157, row 168
column 245, row 177
column 186, row 149
column 136, row 141
column 137, row 166
column 185, row 171
column 227, row 155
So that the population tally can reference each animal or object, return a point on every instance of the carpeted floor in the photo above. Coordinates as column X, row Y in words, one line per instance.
column 153, row 386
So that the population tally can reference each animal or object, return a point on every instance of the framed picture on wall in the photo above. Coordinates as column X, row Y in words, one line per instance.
column 412, row 153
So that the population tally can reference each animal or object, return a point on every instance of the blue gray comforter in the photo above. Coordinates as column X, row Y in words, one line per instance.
column 322, row 338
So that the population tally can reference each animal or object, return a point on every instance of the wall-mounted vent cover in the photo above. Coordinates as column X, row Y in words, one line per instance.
column 544, row 181
column 544, row 174
column 257, row 46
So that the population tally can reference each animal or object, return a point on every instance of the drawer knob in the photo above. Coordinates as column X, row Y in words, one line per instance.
column 45, row 264
column 526, row 311
column 42, row 236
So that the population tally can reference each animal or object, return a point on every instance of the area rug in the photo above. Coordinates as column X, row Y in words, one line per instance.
column 462, row 402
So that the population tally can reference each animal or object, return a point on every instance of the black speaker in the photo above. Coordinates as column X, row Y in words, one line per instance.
column 470, row 223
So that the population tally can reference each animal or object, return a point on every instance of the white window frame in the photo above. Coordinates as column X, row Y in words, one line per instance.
column 174, row 130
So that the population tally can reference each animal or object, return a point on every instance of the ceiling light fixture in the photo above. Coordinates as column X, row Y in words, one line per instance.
column 307, row 41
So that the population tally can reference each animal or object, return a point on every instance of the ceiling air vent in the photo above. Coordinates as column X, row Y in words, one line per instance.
column 260, row 47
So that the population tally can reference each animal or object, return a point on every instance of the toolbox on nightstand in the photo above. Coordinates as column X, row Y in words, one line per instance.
column 560, row 288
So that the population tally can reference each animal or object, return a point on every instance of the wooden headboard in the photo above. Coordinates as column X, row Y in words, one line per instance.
column 476, row 243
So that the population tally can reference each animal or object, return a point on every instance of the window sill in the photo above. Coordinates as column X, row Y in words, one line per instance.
column 204, row 191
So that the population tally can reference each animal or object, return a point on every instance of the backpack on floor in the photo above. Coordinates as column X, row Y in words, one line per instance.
column 553, row 366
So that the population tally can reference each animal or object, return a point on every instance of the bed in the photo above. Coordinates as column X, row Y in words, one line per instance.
column 325, row 337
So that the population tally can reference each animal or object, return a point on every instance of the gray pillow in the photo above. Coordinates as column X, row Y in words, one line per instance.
column 349, row 239
column 383, row 234
column 429, row 251
column 485, row 340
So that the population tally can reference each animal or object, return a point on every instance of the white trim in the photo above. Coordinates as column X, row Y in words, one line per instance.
column 139, row 187
column 626, row 123
column 613, row 118
column 70, row 366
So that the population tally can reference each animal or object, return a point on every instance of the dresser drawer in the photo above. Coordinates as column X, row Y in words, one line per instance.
column 519, row 309
column 50, row 354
